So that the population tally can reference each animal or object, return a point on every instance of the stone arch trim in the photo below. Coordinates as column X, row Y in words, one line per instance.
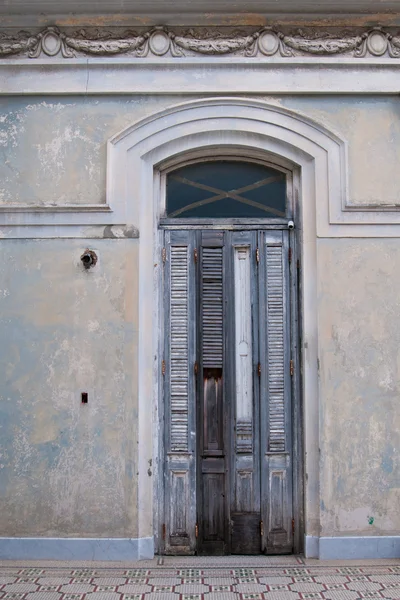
column 134, row 158
column 294, row 133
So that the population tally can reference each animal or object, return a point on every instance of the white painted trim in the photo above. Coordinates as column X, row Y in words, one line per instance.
column 203, row 75
column 135, row 157
column 42, row 548
column 352, row 547
column 324, row 148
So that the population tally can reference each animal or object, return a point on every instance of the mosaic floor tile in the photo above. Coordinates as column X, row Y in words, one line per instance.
column 250, row 588
column 134, row 588
column 275, row 580
column 103, row 596
column 306, row 587
column 393, row 594
column 278, row 595
column 384, row 579
column 367, row 586
column 340, row 595
column 43, row 596
column 221, row 596
column 202, row 578
column 53, row 580
column 21, row 587
column 327, row 579
column 161, row 596
column 77, row 588
column 109, row 580
column 195, row 588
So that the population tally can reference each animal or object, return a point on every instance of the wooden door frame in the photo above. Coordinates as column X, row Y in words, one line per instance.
column 293, row 187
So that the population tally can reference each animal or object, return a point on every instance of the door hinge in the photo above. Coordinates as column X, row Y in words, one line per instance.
column 163, row 531
column 262, row 528
column 164, row 255
column 259, row 369
column 196, row 531
column 163, row 367
column 292, row 525
column 195, row 255
column 257, row 255
column 290, row 255
column 291, row 368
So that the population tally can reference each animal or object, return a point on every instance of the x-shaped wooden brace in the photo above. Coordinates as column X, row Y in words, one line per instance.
column 234, row 194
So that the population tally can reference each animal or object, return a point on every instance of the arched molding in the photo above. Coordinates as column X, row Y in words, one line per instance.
column 135, row 158
column 263, row 127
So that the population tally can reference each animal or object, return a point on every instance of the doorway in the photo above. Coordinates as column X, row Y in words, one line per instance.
column 228, row 366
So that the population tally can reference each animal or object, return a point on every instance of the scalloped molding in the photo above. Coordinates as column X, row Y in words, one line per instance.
column 162, row 41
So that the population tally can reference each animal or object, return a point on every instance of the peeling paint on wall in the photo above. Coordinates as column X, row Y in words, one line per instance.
column 68, row 469
column 359, row 304
column 55, row 150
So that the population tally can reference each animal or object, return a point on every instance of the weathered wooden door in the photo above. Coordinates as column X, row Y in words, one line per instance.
column 226, row 369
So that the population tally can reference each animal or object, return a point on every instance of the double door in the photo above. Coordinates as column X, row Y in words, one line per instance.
column 227, row 393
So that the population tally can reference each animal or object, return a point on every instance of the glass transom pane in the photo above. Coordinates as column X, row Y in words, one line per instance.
column 226, row 189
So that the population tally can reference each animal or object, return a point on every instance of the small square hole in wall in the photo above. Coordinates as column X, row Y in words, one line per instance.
column 84, row 397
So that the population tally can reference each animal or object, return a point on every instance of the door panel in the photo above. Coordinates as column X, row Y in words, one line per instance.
column 275, row 393
column 211, row 509
column 228, row 473
column 180, row 468
column 245, row 489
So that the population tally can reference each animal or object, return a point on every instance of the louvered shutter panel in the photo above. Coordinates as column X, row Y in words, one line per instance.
column 275, row 392
column 179, row 388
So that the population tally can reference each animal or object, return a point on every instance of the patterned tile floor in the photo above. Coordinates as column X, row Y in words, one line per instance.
column 194, row 578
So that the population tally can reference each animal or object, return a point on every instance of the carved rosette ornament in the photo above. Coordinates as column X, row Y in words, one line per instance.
column 160, row 41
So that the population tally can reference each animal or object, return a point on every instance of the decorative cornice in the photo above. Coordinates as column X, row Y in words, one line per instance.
column 161, row 41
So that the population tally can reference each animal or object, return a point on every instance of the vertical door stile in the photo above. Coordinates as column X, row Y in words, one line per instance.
column 179, row 391
column 276, row 475
column 245, row 501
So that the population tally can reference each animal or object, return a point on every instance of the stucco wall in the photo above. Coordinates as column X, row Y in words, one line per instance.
column 70, row 470
column 55, row 148
column 359, row 302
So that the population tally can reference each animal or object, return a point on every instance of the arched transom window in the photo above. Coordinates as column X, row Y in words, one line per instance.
column 226, row 189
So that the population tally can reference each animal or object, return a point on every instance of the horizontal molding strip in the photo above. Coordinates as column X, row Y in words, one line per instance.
column 199, row 75
column 43, row 548
column 70, row 231
column 352, row 547
column 54, row 208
